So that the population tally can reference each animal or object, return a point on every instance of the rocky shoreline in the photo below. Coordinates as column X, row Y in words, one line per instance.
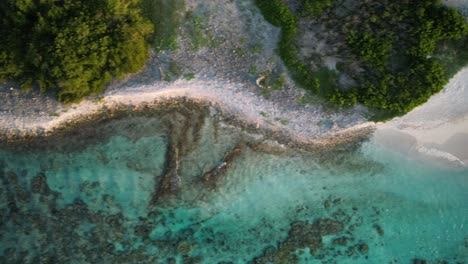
column 274, row 135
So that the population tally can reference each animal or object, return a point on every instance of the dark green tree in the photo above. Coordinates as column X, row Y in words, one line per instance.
column 71, row 47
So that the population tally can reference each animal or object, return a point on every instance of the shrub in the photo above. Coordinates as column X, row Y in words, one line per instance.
column 73, row 48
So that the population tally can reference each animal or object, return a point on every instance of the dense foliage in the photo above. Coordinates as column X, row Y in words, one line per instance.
column 166, row 16
column 71, row 47
column 315, row 7
column 396, row 43
column 400, row 85
column 278, row 14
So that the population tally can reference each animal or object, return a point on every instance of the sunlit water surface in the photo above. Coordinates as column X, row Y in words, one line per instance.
column 92, row 205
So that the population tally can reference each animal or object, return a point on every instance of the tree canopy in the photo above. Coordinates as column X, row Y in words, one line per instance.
column 391, row 50
column 71, row 47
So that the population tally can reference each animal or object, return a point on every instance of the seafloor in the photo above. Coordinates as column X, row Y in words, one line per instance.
column 188, row 186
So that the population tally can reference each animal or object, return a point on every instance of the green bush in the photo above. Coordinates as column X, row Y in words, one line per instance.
column 73, row 48
column 315, row 7
column 277, row 13
column 396, row 47
column 166, row 16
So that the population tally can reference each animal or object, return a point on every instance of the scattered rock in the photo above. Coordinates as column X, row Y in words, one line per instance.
column 214, row 176
column 39, row 185
column 184, row 248
column 328, row 226
column 302, row 235
column 379, row 229
column 342, row 241
column 363, row 248
column 350, row 251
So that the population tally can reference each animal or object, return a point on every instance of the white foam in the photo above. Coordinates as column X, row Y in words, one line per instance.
column 436, row 153
column 444, row 116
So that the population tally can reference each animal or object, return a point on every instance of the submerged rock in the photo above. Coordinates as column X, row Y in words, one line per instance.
column 342, row 241
column 184, row 248
column 212, row 178
column 363, row 248
column 39, row 184
column 379, row 229
column 301, row 235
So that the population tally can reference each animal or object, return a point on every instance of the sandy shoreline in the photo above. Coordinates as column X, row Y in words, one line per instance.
column 222, row 79
column 224, row 73
column 257, row 113
column 435, row 131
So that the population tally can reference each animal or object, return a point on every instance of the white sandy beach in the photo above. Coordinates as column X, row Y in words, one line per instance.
column 436, row 130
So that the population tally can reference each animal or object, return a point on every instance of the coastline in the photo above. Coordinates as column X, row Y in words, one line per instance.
column 221, row 81
column 223, row 73
column 126, row 102
column 444, row 116
column 436, row 131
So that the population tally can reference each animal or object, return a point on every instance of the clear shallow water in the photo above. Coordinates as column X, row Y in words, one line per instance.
column 93, row 205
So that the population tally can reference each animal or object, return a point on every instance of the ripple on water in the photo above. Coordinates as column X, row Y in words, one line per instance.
column 92, row 204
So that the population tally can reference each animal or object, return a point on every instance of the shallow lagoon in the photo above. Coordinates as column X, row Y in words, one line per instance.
column 93, row 204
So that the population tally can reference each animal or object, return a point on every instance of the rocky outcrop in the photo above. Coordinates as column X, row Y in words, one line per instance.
column 301, row 235
column 214, row 177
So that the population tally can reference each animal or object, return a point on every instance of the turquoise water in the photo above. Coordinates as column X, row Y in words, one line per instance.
column 92, row 204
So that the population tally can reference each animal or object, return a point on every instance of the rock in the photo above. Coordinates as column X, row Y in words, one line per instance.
column 110, row 248
column 379, row 229
column 12, row 178
column 192, row 260
column 328, row 226
column 141, row 231
column 419, row 261
column 184, row 248
column 39, row 185
column 342, row 241
column 303, row 234
column 114, row 220
column 363, row 248
column 213, row 177
column 350, row 251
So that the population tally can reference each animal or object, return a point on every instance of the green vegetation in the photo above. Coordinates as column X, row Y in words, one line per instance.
column 405, row 50
column 253, row 69
column 72, row 48
column 279, row 14
column 399, row 86
column 257, row 48
column 284, row 122
column 271, row 81
column 175, row 69
column 197, row 30
column 315, row 7
column 166, row 16
column 279, row 83
column 189, row 76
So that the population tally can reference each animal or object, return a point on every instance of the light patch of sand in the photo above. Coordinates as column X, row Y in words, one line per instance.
column 302, row 124
column 435, row 130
